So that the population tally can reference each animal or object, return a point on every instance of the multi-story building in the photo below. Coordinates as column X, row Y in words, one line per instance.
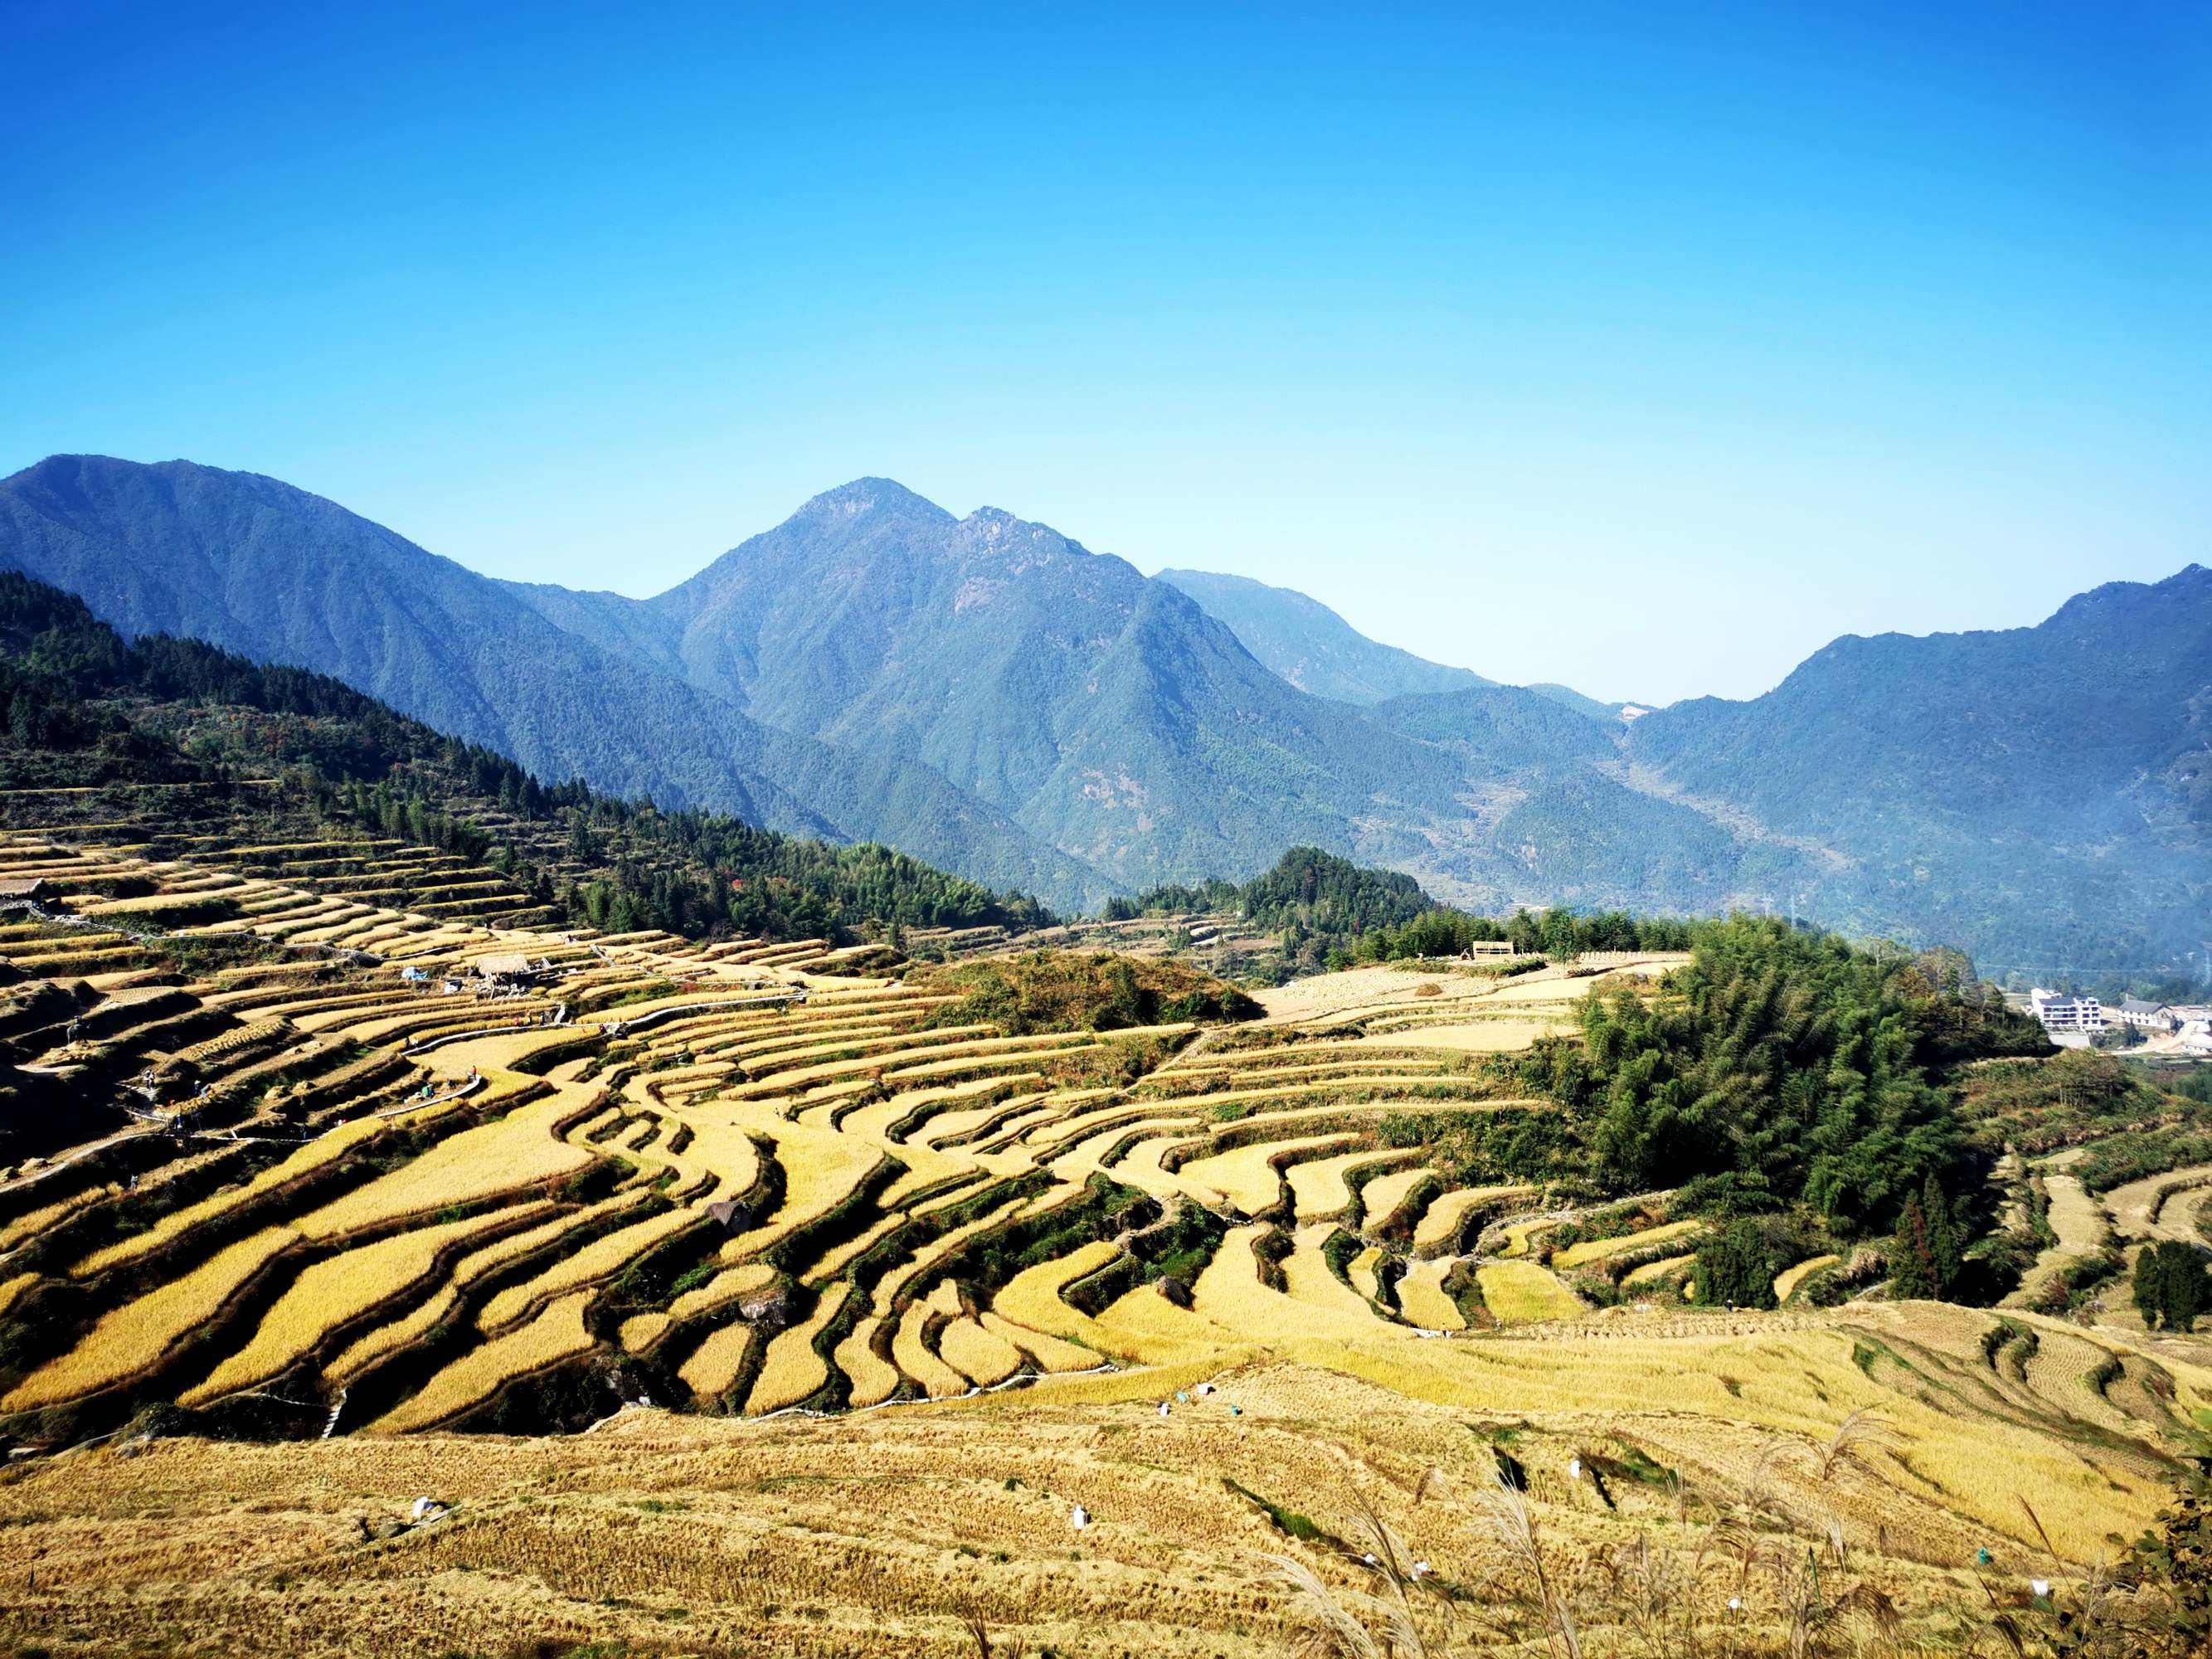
column 2072, row 1015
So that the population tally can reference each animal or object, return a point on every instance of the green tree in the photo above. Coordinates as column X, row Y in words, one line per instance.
column 1736, row 1269
column 2172, row 1285
column 1912, row 1263
column 1945, row 1237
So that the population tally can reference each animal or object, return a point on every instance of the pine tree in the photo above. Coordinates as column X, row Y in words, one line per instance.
column 1945, row 1252
column 1734, row 1268
column 2172, row 1285
column 1912, row 1272
column 2148, row 1287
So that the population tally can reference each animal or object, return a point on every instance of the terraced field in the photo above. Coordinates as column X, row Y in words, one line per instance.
column 410, row 1158
column 2078, row 1226
column 905, row 1530
column 367, row 1151
column 403, row 1158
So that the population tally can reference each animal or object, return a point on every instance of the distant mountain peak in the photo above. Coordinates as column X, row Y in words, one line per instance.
column 2185, row 589
column 69, row 465
column 870, row 494
column 995, row 526
column 1296, row 636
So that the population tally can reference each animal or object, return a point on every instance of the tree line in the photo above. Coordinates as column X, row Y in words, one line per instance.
column 1332, row 913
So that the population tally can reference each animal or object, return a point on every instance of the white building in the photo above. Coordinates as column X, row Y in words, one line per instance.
column 2146, row 1016
column 2068, row 1015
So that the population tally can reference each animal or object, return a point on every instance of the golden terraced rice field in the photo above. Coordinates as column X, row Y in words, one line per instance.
column 745, row 1205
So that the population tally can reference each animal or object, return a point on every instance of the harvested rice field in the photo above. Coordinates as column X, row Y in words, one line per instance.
column 892, row 1530
column 736, row 1304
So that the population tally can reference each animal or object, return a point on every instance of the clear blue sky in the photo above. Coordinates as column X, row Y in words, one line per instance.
column 1644, row 348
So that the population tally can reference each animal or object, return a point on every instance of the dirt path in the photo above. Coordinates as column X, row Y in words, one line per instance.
column 77, row 1155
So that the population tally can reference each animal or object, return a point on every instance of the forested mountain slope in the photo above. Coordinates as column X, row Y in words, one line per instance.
column 257, row 567
column 2032, row 791
column 276, row 755
column 1100, row 709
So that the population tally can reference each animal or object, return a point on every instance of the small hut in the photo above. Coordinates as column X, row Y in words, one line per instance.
column 509, row 969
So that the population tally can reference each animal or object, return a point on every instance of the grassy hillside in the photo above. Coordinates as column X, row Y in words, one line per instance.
column 1078, row 991
column 937, row 1530
column 363, row 1139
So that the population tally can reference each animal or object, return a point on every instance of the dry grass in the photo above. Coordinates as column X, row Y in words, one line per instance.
column 1243, row 1176
column 977, row 1352
column 914, row 1356
column 335, row 1291
column 1031, row 1297
column 1441, row 1220
column 1601, row 1249
column 2080, row 1224
column 883, row 1534
column 1652, row 1271
column 873, row 1379
column 1317, row 1186
column 517, row 1150
column 1052, row 1353
column 726, row 1286
column 385, row 1339
column 2155, row 1206
column 1421, row 1295
column 1787, row 1282
column 820, row 1168
column 173, row 1225
column 1381, row 1197
column 1316, row 1307
column 599, row 1260
column 1365, row 1269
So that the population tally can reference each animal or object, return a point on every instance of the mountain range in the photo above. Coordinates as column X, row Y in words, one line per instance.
column 992, row 697
column 1314, row 649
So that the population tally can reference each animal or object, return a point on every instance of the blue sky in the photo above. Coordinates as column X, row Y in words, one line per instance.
column 1642, row 348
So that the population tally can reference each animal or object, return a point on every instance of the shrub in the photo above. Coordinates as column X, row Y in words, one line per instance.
column 1080, row 990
